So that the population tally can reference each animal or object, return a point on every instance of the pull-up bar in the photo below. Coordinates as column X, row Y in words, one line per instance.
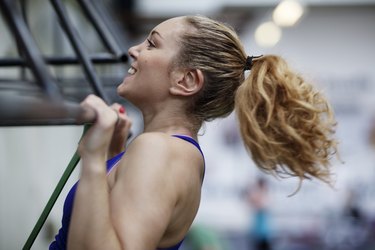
column 22, row 110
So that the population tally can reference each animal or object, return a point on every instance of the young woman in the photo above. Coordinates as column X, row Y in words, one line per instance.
column 189, row 70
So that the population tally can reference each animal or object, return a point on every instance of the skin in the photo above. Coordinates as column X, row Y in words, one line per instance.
column 151, row 197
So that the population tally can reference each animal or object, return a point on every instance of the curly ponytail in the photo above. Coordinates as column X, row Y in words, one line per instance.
column 286, row 124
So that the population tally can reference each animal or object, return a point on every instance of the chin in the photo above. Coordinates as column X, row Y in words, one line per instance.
column 121, row 89
column 123, row 92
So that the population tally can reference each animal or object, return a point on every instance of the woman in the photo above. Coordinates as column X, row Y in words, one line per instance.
column 189, row 70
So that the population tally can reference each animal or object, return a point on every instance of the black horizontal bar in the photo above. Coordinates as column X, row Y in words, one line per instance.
column 22, row 110
column 65, row 60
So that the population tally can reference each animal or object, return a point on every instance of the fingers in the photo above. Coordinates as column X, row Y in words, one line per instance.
column 119, row 109
column 121, row 132
column 123, row 122
column 110, row 131
column 98, row 138
column 122, row 110
column 104, row 115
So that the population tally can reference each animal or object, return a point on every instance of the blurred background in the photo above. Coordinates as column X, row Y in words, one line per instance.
column 330, row 42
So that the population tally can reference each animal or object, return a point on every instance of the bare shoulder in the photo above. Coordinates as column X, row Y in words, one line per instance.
column 166, row 153
column 160, row 143
column 150, row 150
column 150, row 138
column 147, row 145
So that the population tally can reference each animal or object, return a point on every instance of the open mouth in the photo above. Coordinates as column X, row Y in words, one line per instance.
column 132, row 71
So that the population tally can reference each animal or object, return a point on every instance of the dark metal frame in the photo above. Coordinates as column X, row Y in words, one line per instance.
column 51, row 108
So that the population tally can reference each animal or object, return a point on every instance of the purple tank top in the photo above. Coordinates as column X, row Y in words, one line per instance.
column 60, row 239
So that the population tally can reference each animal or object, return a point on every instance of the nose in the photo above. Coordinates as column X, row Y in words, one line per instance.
column 134, row 52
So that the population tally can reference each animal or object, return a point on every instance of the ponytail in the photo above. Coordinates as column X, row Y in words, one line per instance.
column 286, row 125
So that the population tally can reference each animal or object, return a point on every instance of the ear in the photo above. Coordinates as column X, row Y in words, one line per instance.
column 187, row 83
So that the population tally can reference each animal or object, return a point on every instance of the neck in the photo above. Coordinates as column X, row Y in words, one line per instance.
column 170, row 123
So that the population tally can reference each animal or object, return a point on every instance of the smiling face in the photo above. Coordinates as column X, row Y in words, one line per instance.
column 149, row 76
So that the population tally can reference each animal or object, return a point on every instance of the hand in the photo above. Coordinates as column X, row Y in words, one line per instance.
column 95, row 143
column 121, row 132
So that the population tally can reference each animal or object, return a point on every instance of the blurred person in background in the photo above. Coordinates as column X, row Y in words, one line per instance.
column 260, row 231
column 189, row 70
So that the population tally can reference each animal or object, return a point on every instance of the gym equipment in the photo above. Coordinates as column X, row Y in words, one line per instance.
column 41, row 102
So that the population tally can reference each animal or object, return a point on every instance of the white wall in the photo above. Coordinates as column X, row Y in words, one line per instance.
column 32, row 159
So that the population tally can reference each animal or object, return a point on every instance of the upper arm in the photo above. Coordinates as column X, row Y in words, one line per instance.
column 143, row 197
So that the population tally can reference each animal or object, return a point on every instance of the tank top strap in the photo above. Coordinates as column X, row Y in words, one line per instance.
column 196, row 144
column 114, row 160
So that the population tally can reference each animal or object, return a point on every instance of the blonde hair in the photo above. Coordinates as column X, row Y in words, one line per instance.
column 286, row 125
column 214, row 49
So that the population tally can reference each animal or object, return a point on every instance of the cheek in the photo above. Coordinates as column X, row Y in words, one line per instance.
column 157, row 70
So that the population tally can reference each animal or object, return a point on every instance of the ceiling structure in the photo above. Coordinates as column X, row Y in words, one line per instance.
column 142, row 15
column 167, row 7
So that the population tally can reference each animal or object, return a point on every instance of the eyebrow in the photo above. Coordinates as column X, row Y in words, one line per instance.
column 154, row 32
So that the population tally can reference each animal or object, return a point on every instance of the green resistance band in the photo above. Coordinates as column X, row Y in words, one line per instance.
column 52, row 200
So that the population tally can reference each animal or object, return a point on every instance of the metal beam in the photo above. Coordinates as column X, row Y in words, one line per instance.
column 101, row 28
column 33, row 57
column 64, row 60
column 80, row 50
column 26, row 110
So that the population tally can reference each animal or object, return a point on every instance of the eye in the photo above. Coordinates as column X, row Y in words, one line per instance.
column 150, row 44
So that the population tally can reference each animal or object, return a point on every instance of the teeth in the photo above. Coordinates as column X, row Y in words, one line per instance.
column 131, row 71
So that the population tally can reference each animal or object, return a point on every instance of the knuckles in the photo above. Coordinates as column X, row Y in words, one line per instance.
column 106, row 117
